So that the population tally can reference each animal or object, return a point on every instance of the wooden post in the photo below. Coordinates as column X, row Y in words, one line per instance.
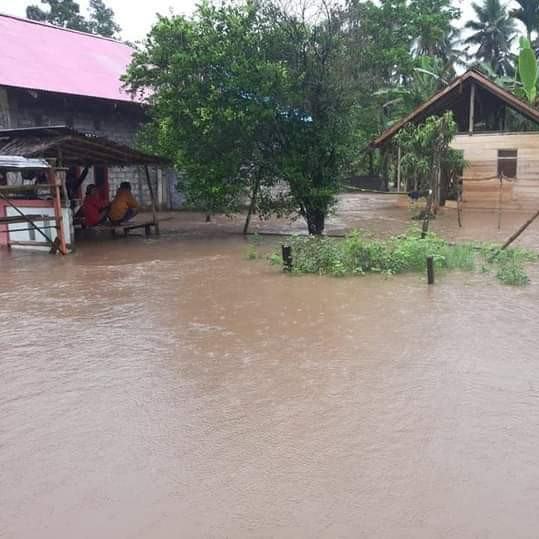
column 287, row 257
column 500, row 199
column 152, row 196
column 160, row 190
column 459, row 201
column 399, row 169
column 520, row 230
column 430, row 269
column 472, row 110
column 58, row 214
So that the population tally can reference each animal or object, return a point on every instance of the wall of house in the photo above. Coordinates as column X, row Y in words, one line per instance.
column 116, row 121
column 481, row 153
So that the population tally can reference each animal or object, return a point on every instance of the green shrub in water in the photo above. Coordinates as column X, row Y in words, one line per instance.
column 512, row 274
column 359, row 253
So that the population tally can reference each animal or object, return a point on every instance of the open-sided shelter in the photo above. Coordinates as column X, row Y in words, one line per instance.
column 62, row 148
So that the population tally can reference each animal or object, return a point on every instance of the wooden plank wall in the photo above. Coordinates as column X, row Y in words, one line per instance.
column 481, row 152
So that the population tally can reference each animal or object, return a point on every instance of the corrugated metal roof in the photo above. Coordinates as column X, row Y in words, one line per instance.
column 16, row 162
column 40, row 56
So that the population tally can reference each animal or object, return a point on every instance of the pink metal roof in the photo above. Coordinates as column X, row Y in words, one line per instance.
column 43, row 57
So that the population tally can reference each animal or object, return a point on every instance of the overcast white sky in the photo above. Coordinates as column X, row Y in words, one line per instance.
column 134, row 16
column 137, row 16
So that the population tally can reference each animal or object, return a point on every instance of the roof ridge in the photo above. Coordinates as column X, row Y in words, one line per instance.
column 56, row 27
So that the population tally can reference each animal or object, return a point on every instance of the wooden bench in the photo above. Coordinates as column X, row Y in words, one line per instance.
column 126, row 228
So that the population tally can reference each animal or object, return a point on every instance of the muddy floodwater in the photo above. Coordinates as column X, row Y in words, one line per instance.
column 171, row 388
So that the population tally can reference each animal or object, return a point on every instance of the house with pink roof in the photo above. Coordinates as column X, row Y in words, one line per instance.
column 51, row 76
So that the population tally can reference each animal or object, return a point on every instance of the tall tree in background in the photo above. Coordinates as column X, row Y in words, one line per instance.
column 432, row 21
column 493, row 32
column 66, row 13
column 528, row 14
column 101, row 20
column 384, row 50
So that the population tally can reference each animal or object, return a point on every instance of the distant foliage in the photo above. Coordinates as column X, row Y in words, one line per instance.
column 66, row 13
column 493, row 31
column 101, row 20
column 425, row 147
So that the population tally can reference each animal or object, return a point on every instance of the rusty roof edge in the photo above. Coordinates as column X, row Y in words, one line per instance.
column 56, row 136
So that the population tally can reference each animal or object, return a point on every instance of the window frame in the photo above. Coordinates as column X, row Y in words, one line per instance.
column 503, row 161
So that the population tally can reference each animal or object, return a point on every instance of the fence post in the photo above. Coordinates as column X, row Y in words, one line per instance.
column 287, row 257
column 430, row 269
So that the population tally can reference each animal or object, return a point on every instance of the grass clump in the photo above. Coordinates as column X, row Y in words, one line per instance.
column 358, row 254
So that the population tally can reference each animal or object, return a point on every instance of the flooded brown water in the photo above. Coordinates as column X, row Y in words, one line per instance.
column 170, row 388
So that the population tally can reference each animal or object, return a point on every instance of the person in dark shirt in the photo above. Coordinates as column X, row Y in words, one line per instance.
column 74, row 181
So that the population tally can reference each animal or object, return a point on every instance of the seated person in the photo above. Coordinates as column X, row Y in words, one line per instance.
column 124, row 206
column 92, row 209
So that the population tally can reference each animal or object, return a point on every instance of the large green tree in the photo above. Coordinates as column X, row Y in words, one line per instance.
column 245, row 95
column 66, row 13
column 493, row 32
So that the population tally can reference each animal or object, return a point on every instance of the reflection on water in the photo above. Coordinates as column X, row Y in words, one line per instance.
column 170, row 388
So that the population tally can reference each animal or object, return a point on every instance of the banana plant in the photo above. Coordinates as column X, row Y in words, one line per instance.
column 527, row 69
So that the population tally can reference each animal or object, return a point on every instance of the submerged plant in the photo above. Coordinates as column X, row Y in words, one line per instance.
column 359, row 253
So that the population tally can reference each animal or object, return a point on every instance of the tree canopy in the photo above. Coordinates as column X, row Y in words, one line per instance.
column 66, row 13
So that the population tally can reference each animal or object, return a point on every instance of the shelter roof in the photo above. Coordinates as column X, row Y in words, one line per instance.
column 72, row 147
column 454, row 95
column 39, row 56
column 16, row 162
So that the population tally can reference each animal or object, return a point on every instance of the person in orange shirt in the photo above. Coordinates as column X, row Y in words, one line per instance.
column 124, row 206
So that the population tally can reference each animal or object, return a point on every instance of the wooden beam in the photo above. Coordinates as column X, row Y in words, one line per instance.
column 58, row 214
column 399, row 168
column 472, row 109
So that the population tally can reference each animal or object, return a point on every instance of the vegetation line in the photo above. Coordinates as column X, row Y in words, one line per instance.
column 359, row 254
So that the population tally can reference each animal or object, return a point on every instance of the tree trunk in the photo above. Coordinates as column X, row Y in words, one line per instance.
column 315, row 221
column 252, row 205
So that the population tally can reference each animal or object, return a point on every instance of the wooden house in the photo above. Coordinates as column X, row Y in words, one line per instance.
column 498, row 134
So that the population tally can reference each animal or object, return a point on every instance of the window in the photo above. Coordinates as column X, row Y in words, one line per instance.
column 507, row 163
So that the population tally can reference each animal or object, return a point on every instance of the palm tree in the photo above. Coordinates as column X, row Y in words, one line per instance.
column 528, row 14
column 447, row 48
column 427, row 77
column 493, row 33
